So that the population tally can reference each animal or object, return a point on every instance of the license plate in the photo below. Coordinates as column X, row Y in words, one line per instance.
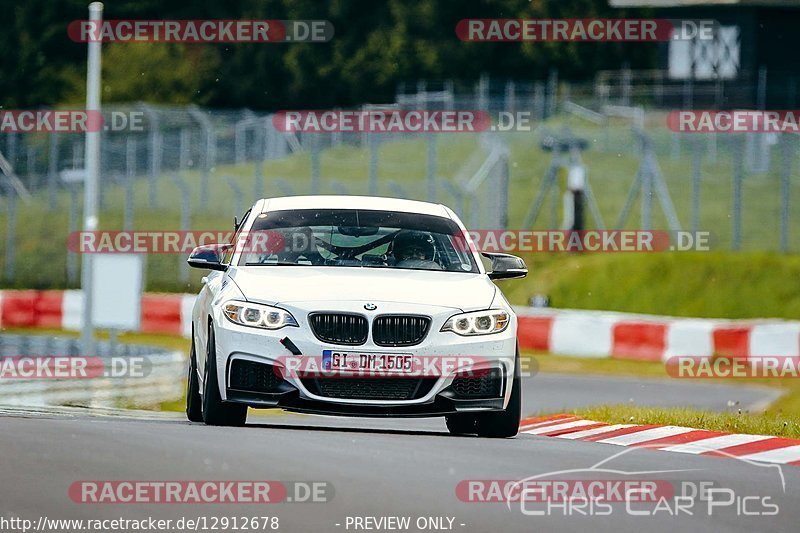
column 359, row 361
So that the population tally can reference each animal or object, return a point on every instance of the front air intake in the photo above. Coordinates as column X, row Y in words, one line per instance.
column 400, row 330
column 340, row 328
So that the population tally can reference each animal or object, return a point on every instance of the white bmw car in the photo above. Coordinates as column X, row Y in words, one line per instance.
column 354, row 305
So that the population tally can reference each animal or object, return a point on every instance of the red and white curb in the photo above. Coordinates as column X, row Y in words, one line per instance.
column 677, row 439
column 653, row 338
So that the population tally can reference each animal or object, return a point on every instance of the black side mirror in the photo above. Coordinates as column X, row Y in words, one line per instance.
column 506, row 266
column 209, row 257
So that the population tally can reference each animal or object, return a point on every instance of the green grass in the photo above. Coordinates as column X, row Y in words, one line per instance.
column 548, row 363
column 757, row 424
column 710, row 285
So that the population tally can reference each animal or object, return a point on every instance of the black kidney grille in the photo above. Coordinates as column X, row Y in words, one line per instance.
column 340, row 328
column 254, row 377
column 400, row 330
column 481, row 384
column 370, row 388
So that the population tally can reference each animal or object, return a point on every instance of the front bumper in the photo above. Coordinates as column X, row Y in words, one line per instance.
column 439, row 395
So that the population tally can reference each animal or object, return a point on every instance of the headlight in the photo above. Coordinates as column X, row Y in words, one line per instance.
column 258, row 316
column 478, row 322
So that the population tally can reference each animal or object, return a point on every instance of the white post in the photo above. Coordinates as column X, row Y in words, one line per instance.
column 92, row 160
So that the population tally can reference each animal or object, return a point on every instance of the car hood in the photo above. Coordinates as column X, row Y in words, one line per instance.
column 277, row 284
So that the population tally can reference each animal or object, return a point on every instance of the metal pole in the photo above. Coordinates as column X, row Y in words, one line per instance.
column 372, row 183
column 647, row 196
column 52, row 171
column 185, row 222
column 92, row 175
column 552, row 93
column 626, row 85
column 786, row 170
column 155, row 162
column 761, row 95
column 261, row 126
column 538, row 101
column 315, row 177
column 130, row 157
column 738, row 170
column 483, row 92
column 11, row 148
column 237, row 195
column 185, row 139
column 72, row 225
column 210, row 157
column 11, row 232
column 431, row 167
column 696, row 171
column 502, row 197
column 555, row 197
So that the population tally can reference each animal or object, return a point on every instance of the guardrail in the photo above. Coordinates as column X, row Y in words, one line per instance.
column 162, row 379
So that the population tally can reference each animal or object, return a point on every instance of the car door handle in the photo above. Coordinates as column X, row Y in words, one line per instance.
column 204, row 280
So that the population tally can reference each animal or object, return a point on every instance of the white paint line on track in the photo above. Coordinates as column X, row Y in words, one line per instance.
column 557, row 427
column 594, row 431
column 781, row 455
column 548, row 422
column 714, row 443
column 646, row 435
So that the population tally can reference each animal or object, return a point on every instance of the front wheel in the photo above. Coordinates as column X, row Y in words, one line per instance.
column 215, row 411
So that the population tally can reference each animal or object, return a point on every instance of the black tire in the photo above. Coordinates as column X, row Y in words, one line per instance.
column 215, row 411
column 504, row 424
column 194, row 407
column 460, row 424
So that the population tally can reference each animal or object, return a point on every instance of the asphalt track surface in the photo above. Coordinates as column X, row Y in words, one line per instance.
column 382, row 468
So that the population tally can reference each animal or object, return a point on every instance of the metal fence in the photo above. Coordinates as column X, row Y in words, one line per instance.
column 189, row 167
column 161, row 379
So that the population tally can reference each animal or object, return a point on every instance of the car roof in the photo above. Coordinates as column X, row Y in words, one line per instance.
column 376, row 203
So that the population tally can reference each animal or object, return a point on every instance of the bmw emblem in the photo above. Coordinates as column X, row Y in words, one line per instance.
column 370, row 307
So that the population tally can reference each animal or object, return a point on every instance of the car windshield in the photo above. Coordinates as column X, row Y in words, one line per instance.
column 357, row 238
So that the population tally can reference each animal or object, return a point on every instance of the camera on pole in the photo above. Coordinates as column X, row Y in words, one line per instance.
column 566, row 161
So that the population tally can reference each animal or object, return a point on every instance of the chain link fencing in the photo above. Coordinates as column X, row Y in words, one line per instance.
column 191, row 168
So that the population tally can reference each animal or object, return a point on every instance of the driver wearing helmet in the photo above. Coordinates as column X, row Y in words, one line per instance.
column 414, row 249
